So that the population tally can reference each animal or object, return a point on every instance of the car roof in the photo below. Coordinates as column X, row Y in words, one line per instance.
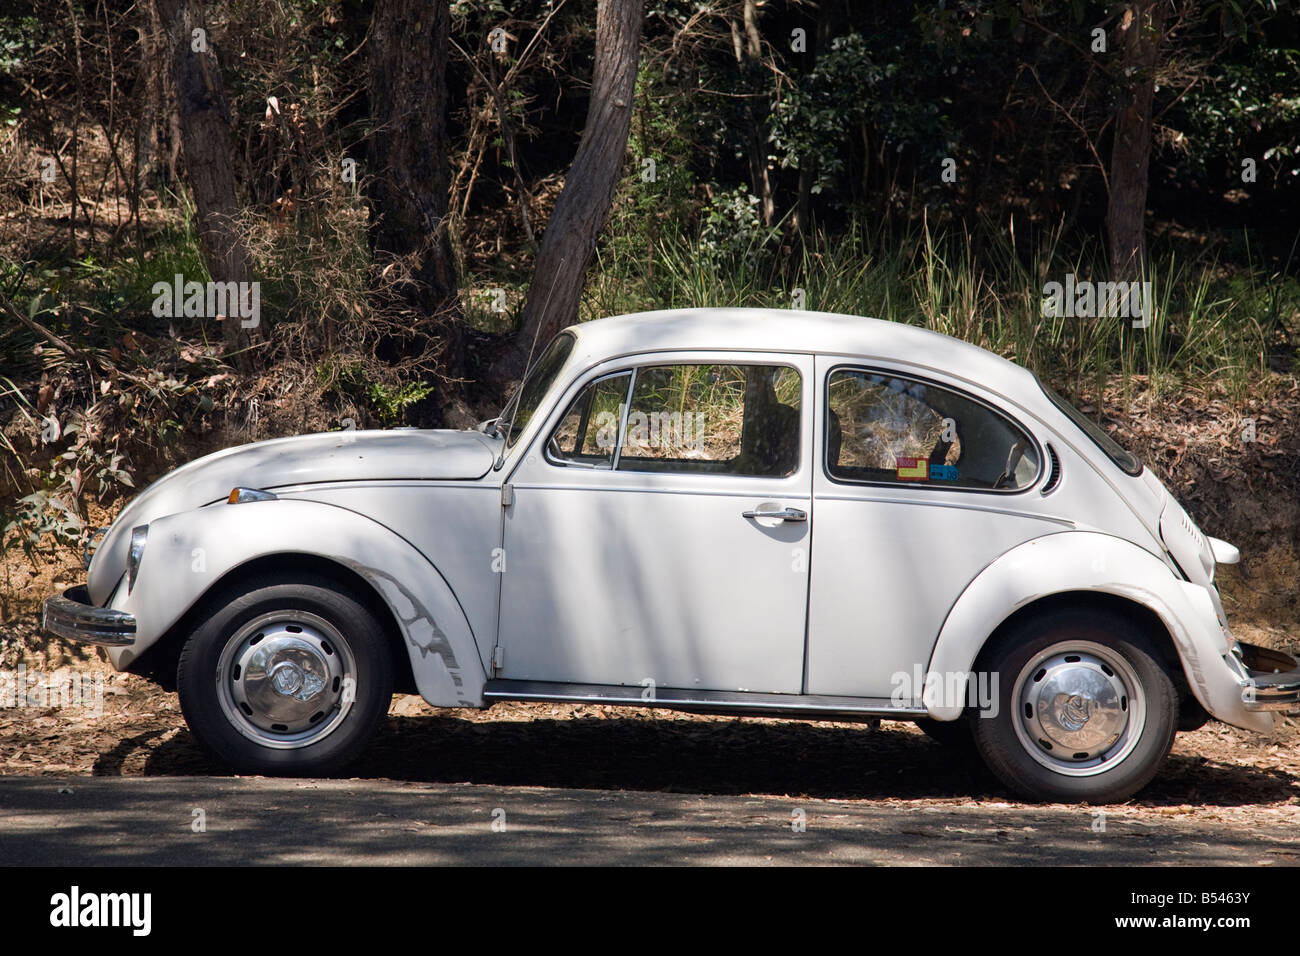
column 790, row 330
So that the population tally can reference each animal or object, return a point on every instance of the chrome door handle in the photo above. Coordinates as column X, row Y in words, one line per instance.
column 785, row 514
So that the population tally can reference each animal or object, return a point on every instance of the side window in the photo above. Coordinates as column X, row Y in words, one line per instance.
column 588, row 432
column 886, row 428
column 720, row 419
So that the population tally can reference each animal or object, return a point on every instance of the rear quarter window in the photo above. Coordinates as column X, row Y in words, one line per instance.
column 891, row 429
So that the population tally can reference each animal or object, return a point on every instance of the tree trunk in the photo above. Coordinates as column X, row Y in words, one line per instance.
column 409, row 182
column 1140, row 34
column 584, row 203
column 749, row 54
column 822, row 32
column 204, row 119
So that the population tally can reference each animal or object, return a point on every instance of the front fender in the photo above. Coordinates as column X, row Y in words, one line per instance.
column 1088, row 561
column 188, row 553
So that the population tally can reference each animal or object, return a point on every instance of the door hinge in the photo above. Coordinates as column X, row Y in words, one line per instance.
column 507, row 496
column 498, row 658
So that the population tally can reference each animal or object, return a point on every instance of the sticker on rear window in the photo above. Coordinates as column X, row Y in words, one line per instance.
column 912, row 469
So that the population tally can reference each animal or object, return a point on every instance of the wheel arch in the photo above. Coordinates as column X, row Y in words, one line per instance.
column 159, row 661
column 1192, row 714
column 1083, row 568
column 1140, row 615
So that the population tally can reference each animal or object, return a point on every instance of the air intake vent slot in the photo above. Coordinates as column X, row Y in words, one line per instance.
column 1054, row 473
column 1191, row 531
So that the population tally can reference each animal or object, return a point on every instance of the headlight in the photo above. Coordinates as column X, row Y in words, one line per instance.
column 138, row 537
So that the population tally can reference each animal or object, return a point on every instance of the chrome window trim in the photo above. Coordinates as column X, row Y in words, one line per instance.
column 622, row 418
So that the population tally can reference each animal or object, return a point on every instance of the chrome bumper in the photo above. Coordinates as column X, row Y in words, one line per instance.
column 1273, row 679
column 70, row 615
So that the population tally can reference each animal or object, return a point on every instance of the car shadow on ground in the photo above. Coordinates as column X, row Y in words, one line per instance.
column 710, row 757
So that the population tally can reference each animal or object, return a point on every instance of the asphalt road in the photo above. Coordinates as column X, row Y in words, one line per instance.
column 250, row 820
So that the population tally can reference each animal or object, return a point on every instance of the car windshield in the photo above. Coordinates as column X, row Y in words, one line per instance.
column 536, row 384
column 1126, row 461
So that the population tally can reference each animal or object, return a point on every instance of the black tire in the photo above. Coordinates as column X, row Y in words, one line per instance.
column 951, row 733
column 320, row 635
column 1109, row 652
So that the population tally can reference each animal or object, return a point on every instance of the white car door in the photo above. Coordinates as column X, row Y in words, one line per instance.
column 919, row 486
column 659, row 528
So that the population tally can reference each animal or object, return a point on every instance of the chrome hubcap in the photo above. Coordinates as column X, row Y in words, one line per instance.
column 1080, row 708
column 285, row 680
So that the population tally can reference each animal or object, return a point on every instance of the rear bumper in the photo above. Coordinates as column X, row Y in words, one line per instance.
column 1272, row 680
column 71, row 616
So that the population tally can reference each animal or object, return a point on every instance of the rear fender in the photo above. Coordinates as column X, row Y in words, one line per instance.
column 1072, row 561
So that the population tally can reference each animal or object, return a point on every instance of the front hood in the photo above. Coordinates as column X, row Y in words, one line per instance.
column 282, row 462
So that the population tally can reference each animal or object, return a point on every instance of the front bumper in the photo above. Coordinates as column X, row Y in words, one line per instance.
column 1272, row 679
column 71, row 616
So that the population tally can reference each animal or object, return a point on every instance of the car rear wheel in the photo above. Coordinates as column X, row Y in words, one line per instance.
column 290, row 676
column 1086, row 711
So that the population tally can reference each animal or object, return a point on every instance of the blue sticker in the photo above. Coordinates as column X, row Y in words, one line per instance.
column 943, row 473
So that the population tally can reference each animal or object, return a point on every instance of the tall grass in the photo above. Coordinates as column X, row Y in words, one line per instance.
column 1212, row 326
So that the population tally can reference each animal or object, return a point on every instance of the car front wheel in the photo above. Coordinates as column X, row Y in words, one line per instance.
column 1086, row 710
column 287, row 677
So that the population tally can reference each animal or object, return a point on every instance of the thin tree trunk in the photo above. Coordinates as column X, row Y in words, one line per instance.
column 150, row 96
column 583, row 207
column 410, row 182
column 74, row 178
column 758, row 130
column 206, row 141
column 1140, row 34
column 822, row 32
column 758, row 171
column 749, row 51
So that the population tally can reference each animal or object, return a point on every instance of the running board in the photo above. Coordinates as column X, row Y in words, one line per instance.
column 807, row 706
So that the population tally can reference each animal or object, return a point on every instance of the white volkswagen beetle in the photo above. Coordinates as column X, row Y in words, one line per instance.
column 720, row 510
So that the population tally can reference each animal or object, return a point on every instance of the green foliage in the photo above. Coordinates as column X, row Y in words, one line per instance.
column 657, row 195
column 54, row 515
column 862, row 117
column 829, row 105
column 1210, row 323
column 1250, row 110
column 96, row 297
column 38, row 521
column 387, row 402
column 20, row 35
column 732, row 233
